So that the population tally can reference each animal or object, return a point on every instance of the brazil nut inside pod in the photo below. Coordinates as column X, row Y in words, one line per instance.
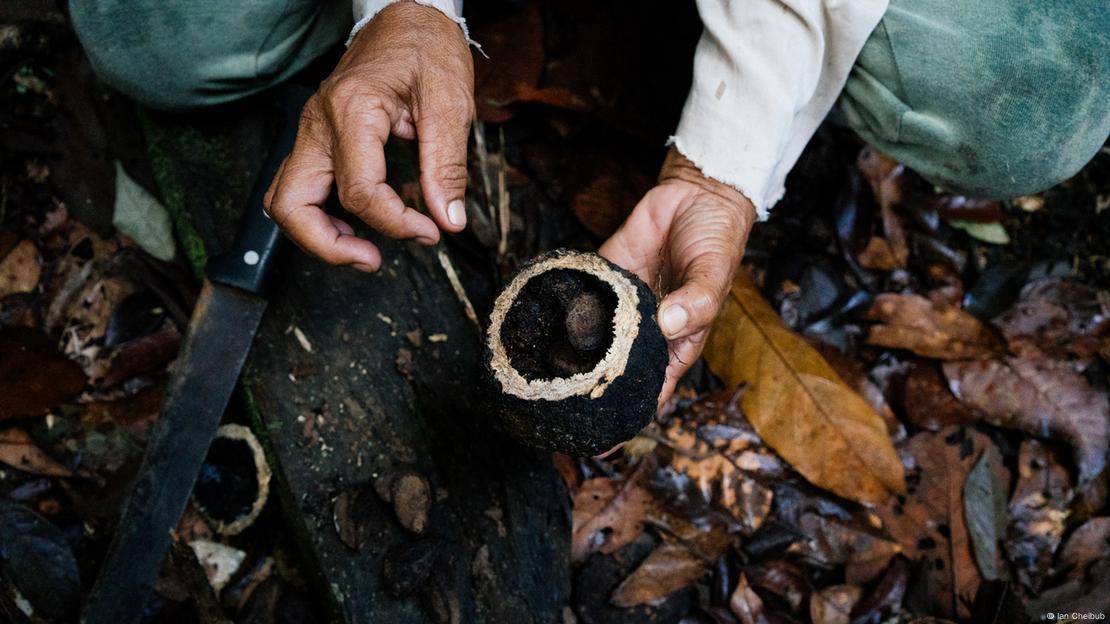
column 574, row 354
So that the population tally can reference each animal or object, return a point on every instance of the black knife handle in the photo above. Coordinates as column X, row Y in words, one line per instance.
column 247, row 264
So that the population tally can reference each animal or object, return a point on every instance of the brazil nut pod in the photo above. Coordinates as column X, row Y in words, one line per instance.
column 574, row 355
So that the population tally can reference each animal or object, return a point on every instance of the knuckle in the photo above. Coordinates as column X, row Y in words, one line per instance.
column 357, row 196
column 452, row 174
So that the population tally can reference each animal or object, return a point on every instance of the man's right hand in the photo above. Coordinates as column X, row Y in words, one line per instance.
column 408, row 72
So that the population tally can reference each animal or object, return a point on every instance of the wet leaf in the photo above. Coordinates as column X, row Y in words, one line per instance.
column 929, row 524
column 885, row 598
column 1060, row 317
column 993, row 233
column 928, row 402
column 1089, row 543
column 34, row 376
column 783, row 578
column 673, row 565
column 20, row 270
column 609, row 513
column 745, row 604
column 964, row 208
column 1039, row 396
column 721, row 455
column 1038, row 513
column 18, row 450
column 35, row 556
column 985, row 494
column 833, row 605
column 856, row 545
column 798, row 404
column 142, row 218
column 916, row 324
column 884, row 174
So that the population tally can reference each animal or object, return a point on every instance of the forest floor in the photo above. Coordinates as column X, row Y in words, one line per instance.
column 934, row 445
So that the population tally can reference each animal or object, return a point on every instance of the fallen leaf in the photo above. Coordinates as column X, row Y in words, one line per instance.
column 929, row 522
column 1060, row 317
column 879, row 255
column 884, row 174
column 832, row 542
column 928, row 402
column 914, row 323
column 514, row 45
column 993, row 233
column 781, row 577
column 985, row 493
column 18, row 450
column 20, row 270
column 833, row 605
column 602, row 205
column 745, row 604
column 721, row 454
column 36, row 557
column 146, row 354
column 673, row 565
column 959, row 207
column 34, row 376
column 798, row 404
column 139, row 216
column 885, row 598
column 1038, row 513
column 853, row 374
column 1089, row 543
column 220, row 561
column 1039, row 396
column 608, row 513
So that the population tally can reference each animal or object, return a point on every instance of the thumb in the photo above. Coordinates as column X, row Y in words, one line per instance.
column 694, row 305
column 443, row 131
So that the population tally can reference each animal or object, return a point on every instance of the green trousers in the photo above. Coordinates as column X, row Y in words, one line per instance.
column 991, row 98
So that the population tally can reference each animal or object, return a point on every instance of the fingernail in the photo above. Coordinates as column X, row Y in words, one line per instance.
column 364, row 267
column 456, row 213
column 672, row 319
column 424, row 240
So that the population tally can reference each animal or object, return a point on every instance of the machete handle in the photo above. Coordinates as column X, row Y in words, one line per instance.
column 247, row 264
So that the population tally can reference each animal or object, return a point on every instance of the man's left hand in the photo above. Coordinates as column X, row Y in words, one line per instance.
column 685, row 238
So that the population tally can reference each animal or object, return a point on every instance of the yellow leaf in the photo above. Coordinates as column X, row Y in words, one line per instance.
column 798, row 404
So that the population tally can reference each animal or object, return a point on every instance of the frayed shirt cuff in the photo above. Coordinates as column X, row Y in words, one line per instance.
column 766, row 73
column 365, row 10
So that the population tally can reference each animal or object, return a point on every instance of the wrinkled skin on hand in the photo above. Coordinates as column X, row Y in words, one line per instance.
column 685, row 238
column 408, row 72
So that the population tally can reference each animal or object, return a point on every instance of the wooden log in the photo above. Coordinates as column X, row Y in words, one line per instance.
column 356, row 381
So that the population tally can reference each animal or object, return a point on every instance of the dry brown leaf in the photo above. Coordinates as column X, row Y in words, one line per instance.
column 20, row 270
column 879, row 255
column 745, row 604
column 608, row 513
column 1038, row 513
column 798, row 404
column 928, row 402
column 673, row 565
column 1042, row 397
column 858, row 547
column 833, row 605
column 19, row 451
column 853, row 374
column 1062, row 318
column 514, row 45
column 1087, row 544
column 718, row 450
column 916, row 324
column 929, row 524
column 884, row 174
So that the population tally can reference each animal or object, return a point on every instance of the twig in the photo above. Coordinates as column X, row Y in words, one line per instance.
column 456, row 284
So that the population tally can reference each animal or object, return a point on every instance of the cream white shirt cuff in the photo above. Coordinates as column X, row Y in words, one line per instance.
column 365, row 10
column 766, row 73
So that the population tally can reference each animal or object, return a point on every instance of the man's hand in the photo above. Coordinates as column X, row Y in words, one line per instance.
column 685, row 238
column 408, row 72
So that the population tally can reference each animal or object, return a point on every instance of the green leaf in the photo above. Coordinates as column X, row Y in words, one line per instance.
column 985, row 516
column 139, row 215
column 993, row 233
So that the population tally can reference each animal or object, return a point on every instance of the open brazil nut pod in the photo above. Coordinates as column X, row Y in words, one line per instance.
column 574, row 354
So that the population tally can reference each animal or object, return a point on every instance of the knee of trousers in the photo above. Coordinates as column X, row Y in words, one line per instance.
column 186, row 55
column 998, row 108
